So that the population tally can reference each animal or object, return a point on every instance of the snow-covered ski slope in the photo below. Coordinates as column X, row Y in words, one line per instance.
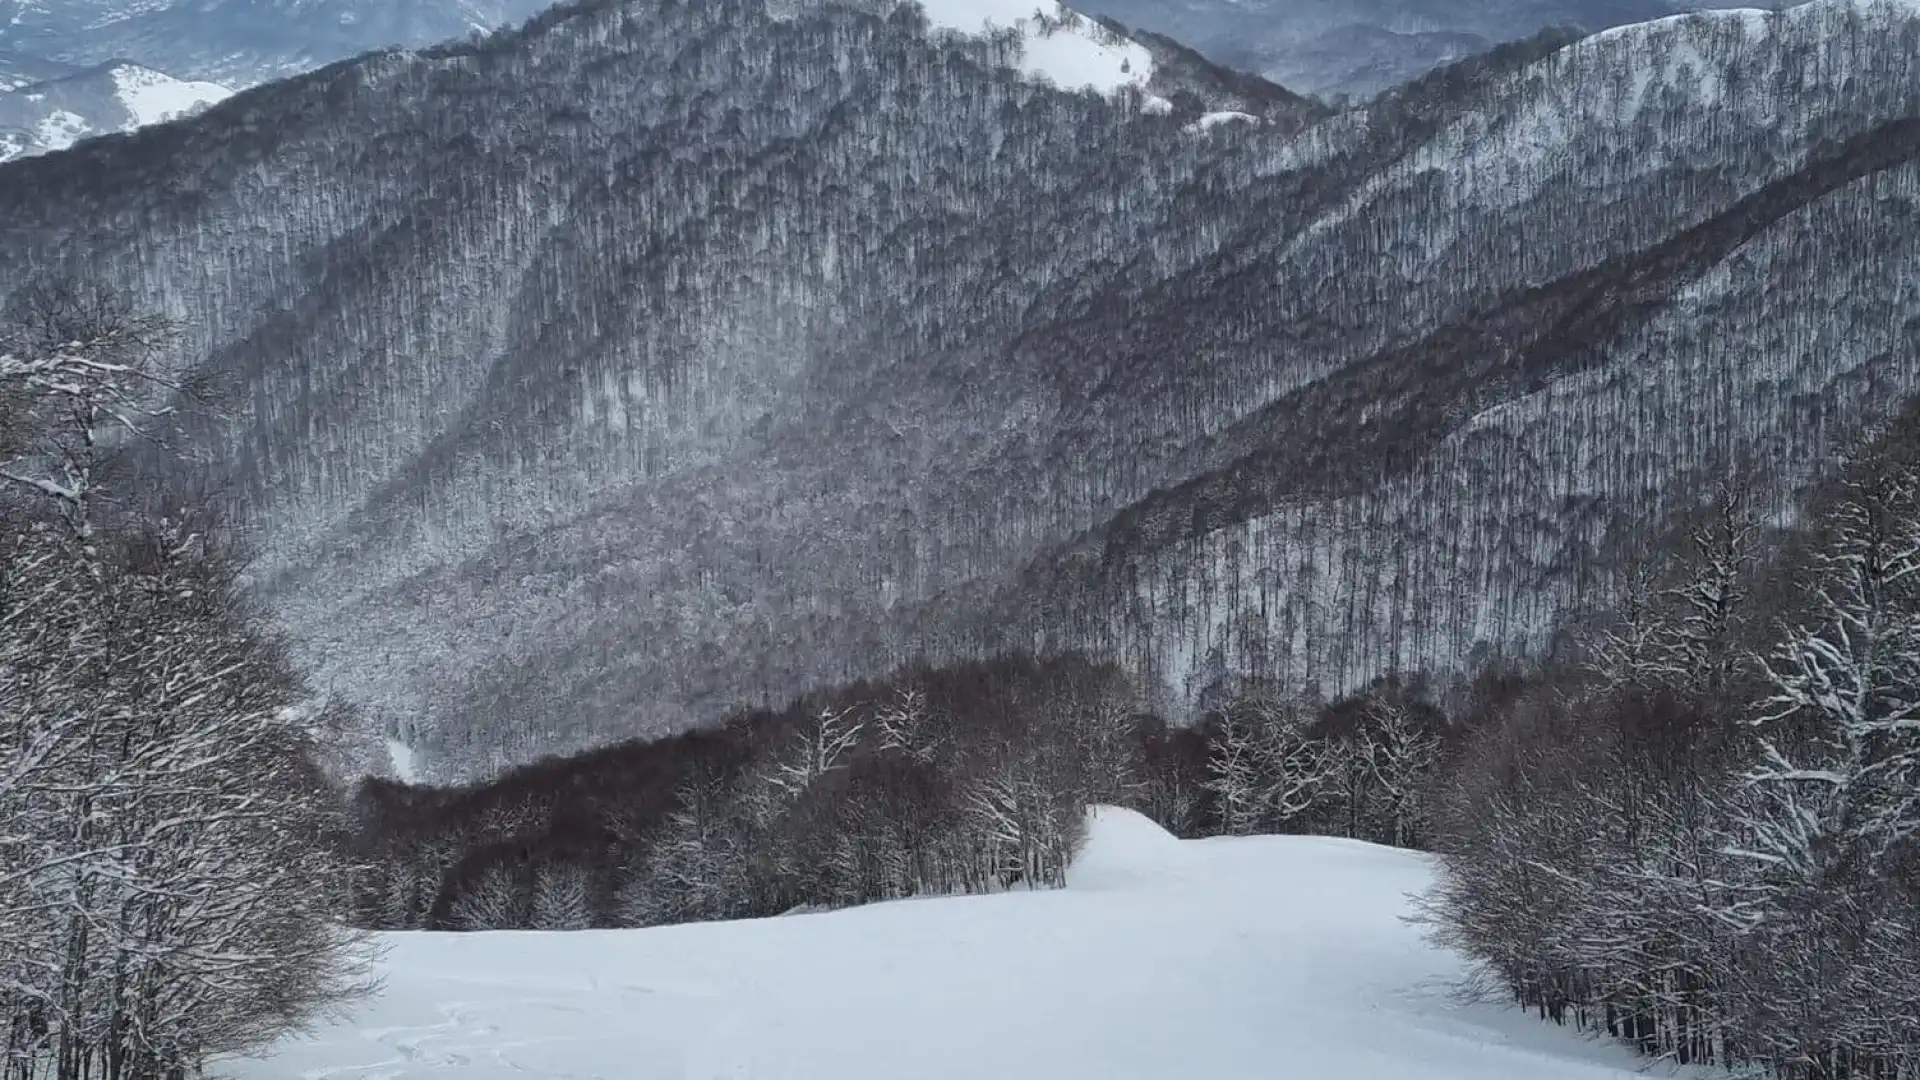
column 1277, row 958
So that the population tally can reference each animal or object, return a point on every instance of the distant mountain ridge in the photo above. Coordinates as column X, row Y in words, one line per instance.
column 240, row 43
column 114, row 97
column 1337, row 48
column 245, row 42
column 18, row 69
column 656, row 359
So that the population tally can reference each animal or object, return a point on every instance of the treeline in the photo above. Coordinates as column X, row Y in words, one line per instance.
column 168, row 836
column 1698, row 830
column 963, row 779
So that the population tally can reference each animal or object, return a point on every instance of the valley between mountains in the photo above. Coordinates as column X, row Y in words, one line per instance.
column 654, row 359
column 790, row 538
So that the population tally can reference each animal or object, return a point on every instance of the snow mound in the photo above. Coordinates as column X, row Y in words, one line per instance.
column 154, row 98
column 1122, row 847
column 1058, row 45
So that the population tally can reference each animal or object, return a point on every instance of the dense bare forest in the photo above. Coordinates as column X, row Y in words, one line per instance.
column 1702, row 835
column 758, row 457
column 602, row 377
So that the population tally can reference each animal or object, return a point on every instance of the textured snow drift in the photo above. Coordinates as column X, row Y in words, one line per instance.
column 1217, row 960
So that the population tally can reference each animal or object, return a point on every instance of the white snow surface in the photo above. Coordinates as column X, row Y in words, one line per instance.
column 1214, row 119
column 1217, row 960
column 400, row 756
column 1060, row 46
column 154, row 98
column 60, row 129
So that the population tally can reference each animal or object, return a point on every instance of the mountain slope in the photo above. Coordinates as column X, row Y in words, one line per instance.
column 657, row 359
column 240, row 42
column 1149, row 964
column 1514, row 446
column 18, row 69
column 114, row 97
column 1341, row 48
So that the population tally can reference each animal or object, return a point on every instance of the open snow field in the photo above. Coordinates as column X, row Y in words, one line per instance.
column 1278, row 958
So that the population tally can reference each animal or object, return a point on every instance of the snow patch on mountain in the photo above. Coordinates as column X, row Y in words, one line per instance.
column 1213, row 120
column 1058, row 45
column 60, row 129
column 154, row 98
column 1753, row 20
column 400, row 758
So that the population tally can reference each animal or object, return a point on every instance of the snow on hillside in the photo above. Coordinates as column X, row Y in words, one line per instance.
column 1219, row 959
column 400, row 757
column 54, row 114
column 1063, row 47
column 155, row 98
column 1214, row 119
column 60, row 129
column 1497, row 159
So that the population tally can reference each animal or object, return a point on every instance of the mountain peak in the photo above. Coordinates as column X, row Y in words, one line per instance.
column 1072, row 51
column 1057, row 45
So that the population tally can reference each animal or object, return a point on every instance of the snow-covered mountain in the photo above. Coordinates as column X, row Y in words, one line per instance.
column 1063, row 48
column 1230, row 959
column 240, row 43
column 655, row 359
column 1343, row 48
column 53, row 115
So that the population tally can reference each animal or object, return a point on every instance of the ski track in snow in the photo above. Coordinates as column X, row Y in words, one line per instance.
column 1218, row 960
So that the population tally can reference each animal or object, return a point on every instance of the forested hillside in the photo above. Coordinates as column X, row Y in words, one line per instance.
column 600, row 378
column 747, row 457
column 1695, row 828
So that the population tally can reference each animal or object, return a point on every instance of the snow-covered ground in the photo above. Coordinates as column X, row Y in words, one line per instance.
column 1271, row 958
column 400, row 756
column 154, row 98
column 60, row 129
column 1058, row 45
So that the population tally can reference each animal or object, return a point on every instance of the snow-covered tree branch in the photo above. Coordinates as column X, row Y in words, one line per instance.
column 165, row 856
